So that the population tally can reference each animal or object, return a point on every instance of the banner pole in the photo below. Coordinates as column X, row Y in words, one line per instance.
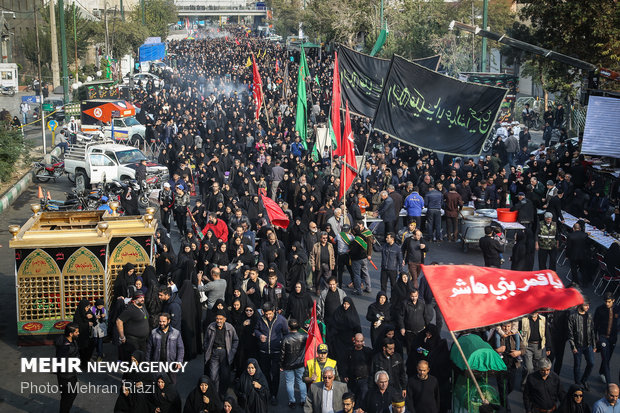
column 471, row 373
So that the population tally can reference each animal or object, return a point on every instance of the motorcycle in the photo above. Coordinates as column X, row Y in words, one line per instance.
column 44, row 172
column 74, row 202
column 151, row 183
column 6, row 90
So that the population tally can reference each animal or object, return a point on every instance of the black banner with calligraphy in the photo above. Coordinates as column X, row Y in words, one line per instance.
column 436, row 112
column 362, row 78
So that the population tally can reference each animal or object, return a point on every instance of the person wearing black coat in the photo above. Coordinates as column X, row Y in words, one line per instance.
column 297, row 265
column 491, row 249
column 576, row 250
column 131, row 399
column 400, row 293
column 526, row 209
column 423, row 390
column 344, row 324
column 378, row 313
column 519, row 253
column 252, row 389
column 67, row 347
column 299, row 304
column 203, row 398
column 165, row 396
column 84, row 318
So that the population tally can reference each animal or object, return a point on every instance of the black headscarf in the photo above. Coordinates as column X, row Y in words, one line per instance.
column 299, row 305
column 166, row 399
column 253, row 399
column 124, row 280
column 568, row 404
column 233, row 404
column 190, row 322
column 81, row 318
column 195, row 402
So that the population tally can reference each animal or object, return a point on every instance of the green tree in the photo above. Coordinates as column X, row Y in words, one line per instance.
column 286, row 15
column 587, row 30
column 125, row 36
column 12, row 149
column 341, row 22
column 86, row 29
column 159, row 14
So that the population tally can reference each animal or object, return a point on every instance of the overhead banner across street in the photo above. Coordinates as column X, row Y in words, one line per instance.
column 472, row 297
column 362, row 79
column 436, row 112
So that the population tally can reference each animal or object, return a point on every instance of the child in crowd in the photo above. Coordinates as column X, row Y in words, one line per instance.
column 100, row 326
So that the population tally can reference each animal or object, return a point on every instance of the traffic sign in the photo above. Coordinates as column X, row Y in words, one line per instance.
column 52, row 125
column 48, row 107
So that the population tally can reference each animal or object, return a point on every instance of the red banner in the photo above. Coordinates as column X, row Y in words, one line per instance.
column 257, row 87
column 277, row 217
column 471, row 297
column 349, row 163
column 314, row 337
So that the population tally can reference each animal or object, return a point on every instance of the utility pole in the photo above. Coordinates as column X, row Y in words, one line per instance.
column 55, row 67
column 485, row 16
column 122, row 11
column 42, row 114
column 143, row 12
column 63, row 49
column 75, row 39
column 107, row 33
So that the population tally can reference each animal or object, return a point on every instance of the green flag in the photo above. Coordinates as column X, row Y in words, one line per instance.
column 301, row 120
column 380, row 41
column 315, row 153
column 316, row 79
column 332, row 135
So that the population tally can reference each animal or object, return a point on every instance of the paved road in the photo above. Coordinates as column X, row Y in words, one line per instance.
column 13, row 400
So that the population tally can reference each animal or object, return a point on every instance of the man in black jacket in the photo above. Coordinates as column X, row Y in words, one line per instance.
column 576, row 248
column 66, row 348
column 172, row 306
column 527, row 212
column 392, row 363
column 491, row 249
column 606, row 329
column 581, row 341
column 292, row 362
column 412, row 319
column 357, row 367
column 379, row 397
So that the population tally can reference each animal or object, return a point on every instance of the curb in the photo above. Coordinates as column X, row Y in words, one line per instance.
column 16, row 190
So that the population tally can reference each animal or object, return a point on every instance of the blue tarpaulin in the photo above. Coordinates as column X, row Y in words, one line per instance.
column 153, row 51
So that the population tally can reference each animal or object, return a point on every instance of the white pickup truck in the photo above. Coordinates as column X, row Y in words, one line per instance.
column 95, row 160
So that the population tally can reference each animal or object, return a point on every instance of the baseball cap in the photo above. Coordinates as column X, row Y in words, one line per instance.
column 520, row 194
column 138, row 294
column 550, row 182
column 548, row 215
column 181, row 187
column 166, row 185
column 322, row 349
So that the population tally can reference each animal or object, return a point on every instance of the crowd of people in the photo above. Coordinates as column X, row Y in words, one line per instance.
column 239, row 293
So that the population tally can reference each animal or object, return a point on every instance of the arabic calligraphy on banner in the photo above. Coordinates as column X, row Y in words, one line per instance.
column 362, row 83
column 436, row 112
column 473, row 297
column 504, row 288
column 470, row 119
column 362, row 78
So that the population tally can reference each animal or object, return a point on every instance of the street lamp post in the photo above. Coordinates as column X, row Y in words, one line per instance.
column 485, row 15
column 63, row 51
